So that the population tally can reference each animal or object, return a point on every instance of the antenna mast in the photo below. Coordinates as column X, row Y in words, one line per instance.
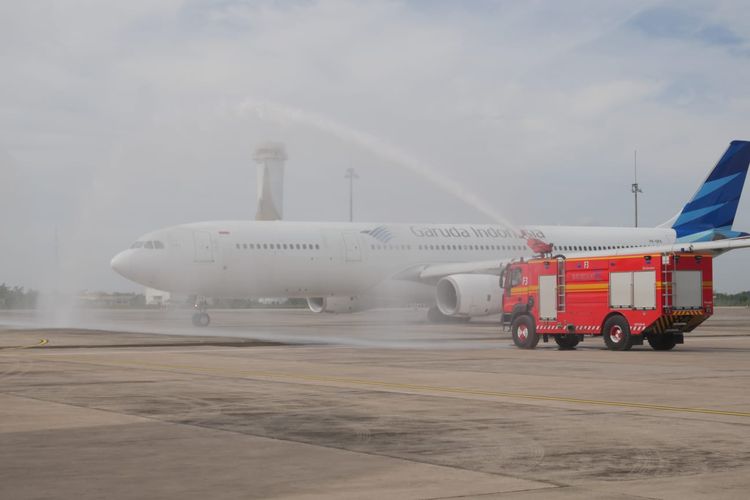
column 351, row 175
column 635, row 188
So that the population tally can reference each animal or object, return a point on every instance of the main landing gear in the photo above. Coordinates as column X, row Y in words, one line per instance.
column 201, row 317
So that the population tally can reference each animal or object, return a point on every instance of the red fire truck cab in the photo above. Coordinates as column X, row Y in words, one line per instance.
column 624, row 298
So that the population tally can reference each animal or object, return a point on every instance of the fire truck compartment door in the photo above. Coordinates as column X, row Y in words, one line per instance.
column 688, row 288
column 644, row 290
column 548, row 297
column 621, row 290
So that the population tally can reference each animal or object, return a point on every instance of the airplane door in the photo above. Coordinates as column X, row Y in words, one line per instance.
column 351, row 244
column 203, row 246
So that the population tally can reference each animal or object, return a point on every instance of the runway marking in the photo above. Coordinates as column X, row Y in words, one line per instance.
column 38, row 344
column 423, row 388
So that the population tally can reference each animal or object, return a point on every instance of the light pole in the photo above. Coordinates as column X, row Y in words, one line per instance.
column 634, row 188
column 351, row 175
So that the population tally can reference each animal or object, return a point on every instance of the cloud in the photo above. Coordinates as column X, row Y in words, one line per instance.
column 122, row 118
column 677, row 23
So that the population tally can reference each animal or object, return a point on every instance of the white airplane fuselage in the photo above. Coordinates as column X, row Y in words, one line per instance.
column 311, row 259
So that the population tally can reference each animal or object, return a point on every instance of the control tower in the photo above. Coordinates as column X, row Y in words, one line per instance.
column 270, row 158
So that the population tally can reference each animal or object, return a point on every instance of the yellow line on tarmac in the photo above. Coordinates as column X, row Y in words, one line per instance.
column 38, row 344
column 427, row 388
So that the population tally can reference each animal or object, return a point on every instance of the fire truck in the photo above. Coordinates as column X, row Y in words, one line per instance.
column 623, row 298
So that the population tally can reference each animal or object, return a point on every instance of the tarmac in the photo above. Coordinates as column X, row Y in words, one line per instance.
column 381, row 404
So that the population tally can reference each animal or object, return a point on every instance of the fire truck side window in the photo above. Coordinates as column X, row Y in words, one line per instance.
column 515, row 278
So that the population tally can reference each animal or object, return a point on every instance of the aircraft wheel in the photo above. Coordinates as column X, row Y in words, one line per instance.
column 201, row 319
column 663, row 342
column 567, row 342
column 616, row 334
column 524, row 332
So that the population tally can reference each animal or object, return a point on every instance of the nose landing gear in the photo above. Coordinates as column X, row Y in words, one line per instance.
column 201, row 317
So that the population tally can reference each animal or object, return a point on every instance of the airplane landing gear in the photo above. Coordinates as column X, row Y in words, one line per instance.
column 201, row 317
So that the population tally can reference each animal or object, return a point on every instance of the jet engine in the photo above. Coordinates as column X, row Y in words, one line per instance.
column 467, row 295
column 345, row 304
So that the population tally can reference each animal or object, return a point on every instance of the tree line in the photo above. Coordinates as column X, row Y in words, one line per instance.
column 17, row 297
column 732, row 299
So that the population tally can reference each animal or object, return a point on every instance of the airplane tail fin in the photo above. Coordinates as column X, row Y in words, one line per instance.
column 710, row 213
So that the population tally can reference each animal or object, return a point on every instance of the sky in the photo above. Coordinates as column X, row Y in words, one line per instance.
column 117, row 118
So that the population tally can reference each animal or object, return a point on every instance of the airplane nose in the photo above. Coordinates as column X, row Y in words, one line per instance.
column 118, row 264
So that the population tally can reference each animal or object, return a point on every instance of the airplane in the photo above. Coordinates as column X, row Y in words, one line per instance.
column 347, row 267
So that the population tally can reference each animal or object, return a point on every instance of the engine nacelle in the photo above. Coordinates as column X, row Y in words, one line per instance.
column 467, row 295
column 346, row 304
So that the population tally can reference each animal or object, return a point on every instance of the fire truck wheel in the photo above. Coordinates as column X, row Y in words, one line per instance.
column 663, row 342
column 524, row 332
column 616, row 334
column 567, row 342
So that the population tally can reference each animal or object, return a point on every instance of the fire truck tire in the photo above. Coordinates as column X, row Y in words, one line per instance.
column 524, row 332
column 616, row 334
column 663, row 342
column 567, row 342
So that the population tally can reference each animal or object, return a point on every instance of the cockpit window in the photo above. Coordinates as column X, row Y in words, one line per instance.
column 152, row 244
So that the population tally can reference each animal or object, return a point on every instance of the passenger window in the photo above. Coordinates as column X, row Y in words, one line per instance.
column 317, row 247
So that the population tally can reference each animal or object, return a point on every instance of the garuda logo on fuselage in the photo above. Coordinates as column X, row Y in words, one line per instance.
column 380, row 233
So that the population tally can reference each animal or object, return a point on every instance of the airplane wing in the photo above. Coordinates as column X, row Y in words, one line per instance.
column 437, row 271
column 432, row 273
